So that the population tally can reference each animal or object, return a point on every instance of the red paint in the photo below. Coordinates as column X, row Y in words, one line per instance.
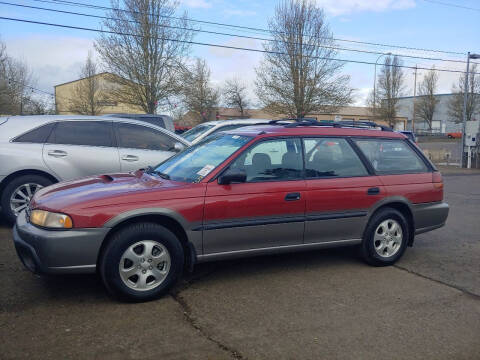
column 93, row 201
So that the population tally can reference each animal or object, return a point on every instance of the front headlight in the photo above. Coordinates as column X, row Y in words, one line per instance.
column 50, row 220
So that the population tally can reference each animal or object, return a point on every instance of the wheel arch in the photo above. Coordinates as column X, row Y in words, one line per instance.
column 23, row 172
column 403, row 206
column 172, row 223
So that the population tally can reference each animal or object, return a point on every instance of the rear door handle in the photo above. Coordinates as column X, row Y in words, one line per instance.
column 130, row 158
column 57, row 153
column 292, row 197
column 373, row 191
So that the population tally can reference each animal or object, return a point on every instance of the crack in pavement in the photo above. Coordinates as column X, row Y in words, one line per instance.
column 463, row 290
column 189, row 318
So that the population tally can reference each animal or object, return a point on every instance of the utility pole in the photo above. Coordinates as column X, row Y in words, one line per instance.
column 465, row 98
column 414, row 99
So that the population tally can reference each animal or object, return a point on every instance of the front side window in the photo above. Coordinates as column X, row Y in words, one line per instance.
column 391, row 156
column 133, row 136
column 272, row 160
column 331, row 157
column 197, row 131
column 197, row 161
column 89, row 133
column 38, row 135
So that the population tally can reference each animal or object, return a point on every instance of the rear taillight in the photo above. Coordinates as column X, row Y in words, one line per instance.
column 438, row 183
column 437, row 177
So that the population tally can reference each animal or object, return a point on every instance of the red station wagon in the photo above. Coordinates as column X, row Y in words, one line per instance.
column 256, row 190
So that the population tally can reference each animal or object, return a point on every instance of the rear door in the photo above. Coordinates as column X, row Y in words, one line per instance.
column 267, row 210
column 339, row 190
column 400, row 169
column 80, row 148
column 141, row 146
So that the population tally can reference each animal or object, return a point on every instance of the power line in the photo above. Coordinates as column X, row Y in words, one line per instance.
column 452, row 5
column 213, row 45
column 229, row 34
column 98, row 7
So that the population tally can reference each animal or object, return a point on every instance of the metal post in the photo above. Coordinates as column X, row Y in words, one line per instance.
column 414, row 98
column 465, row 97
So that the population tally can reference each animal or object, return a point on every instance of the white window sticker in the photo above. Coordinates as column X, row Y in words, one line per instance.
column 205, row 170
column 235, row 137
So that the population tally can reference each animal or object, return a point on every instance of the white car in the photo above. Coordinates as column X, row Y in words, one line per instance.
column 201, row 131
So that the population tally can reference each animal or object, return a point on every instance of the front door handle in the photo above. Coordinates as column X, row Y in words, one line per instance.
column 57, row 153
column 130, row 158
column 292, row 197
column 373, row 191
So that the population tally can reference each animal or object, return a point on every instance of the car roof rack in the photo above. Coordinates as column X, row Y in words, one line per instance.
column 336, row 124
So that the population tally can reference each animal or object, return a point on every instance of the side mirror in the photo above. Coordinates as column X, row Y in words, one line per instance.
column 231, row 176
column 177, row 147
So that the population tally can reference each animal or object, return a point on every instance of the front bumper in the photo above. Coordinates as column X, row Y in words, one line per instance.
column 43, row 251
column 429, row 216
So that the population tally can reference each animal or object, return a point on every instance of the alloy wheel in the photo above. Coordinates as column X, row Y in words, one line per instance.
column 144, row 265
column 22, row 195
column 388, row 238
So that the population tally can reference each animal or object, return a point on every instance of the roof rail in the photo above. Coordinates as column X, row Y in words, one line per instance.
column 336, row 124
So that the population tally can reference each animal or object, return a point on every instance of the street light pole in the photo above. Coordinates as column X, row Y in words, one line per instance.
column 465, row 99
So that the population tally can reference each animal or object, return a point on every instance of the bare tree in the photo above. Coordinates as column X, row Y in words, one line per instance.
column 426, row 102
column 299, row 74
column 16, row 85
column 88, row 94
column 38, row 105
column 390, row 86
column 455, row 105
column 198, row 94
column 145, row 50
column 235, row 95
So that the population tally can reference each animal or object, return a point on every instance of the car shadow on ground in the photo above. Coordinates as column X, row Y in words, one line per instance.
column 66, row 289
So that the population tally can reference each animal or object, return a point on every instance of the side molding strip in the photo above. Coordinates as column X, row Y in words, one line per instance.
column 283, row 220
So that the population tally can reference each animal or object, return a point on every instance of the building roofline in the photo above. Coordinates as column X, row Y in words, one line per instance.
column 411, row 97
column 69, row 82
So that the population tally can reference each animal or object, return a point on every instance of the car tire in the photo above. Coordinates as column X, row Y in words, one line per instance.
column 385, row 238
column 141, row 262
column 24, row 184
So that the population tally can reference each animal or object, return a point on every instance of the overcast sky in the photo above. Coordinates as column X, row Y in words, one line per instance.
column 55, row 54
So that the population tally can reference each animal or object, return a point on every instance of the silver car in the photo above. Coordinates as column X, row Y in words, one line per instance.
column 36, row 151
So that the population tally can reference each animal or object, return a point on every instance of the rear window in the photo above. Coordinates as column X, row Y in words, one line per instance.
column 38, row 135
column 391, row 156
column 89, row 133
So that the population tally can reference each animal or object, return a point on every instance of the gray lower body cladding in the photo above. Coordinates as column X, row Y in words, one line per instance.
column 429, row 216
column 57, row 251
column 76, row 251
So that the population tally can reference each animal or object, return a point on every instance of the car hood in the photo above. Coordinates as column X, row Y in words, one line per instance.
column 109, row 189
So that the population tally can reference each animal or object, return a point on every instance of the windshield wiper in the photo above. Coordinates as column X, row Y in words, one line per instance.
column 151, row 170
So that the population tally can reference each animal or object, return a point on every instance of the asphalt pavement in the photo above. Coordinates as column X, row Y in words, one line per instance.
column 319, row 305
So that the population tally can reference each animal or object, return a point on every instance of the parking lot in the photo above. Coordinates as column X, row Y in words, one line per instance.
column 322, row 304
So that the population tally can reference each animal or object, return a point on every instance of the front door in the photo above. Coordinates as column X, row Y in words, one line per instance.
column 267, row 210
column 141, row 146
column 339, row 191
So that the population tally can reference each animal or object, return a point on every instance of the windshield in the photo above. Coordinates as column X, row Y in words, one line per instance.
column 197, row 161
column 195, row 132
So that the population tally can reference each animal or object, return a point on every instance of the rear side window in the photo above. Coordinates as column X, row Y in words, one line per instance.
column 391, row 156
column 89, row 133
column 38, row 135
column 331, row 157
column 158, row 121
column 133, row 136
